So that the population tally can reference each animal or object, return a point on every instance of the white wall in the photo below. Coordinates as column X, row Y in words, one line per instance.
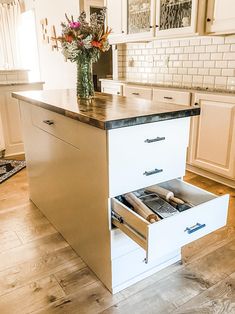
column 54, row 70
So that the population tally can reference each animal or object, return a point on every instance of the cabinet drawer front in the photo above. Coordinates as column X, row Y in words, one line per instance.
column 62, row 127
column 171, row 96
column 208, row 214
column 135, row 152
column 111, row 88
column 139, row 92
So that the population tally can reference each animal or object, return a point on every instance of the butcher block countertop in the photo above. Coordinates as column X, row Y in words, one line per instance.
column 106, row 111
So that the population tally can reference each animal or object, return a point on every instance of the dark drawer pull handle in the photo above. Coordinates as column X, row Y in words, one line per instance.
column 157, row 139
column 150, row 173
column 137, row 94
column 49, row 122
column 167, row 97
column 195, row 228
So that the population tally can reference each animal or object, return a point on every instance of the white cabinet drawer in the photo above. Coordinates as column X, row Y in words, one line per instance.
column 111, row 88
column 62, row 127
column 132, row 267
column 172, row 96
column 138, row 92
column 137, row 153
column 158, row 239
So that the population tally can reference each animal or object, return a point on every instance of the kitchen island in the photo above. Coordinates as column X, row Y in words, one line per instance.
column 82, row 155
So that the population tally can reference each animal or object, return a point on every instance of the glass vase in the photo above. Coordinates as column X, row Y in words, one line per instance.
column 85, row 85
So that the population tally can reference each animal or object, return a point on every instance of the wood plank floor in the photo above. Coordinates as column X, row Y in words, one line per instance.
column 40, row 273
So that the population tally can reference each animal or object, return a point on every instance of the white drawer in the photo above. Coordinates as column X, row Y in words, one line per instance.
column 139, row 92
column 172, row 96
column 132, row 267
column 134, row 152
column 111, row 88
column 158, row 239
column 62, row 127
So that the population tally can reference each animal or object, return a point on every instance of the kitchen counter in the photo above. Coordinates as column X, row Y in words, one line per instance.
column 215, row 90
column 76, row 173
column 106, row 111
column 12, row 83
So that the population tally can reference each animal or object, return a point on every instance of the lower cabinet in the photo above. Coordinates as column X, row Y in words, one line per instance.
column 212, row 142
column 2, row 141
column 10, row 115
column 138, row 92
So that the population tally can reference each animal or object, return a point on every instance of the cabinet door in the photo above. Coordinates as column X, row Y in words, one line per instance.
column 140, row 19
column 116, row 20
column 2, row 142
column 213, row 135
column 11, row 125
column 176, row 17
column 221, row 16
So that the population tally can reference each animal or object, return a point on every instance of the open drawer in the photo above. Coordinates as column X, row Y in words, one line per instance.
column 160, row 238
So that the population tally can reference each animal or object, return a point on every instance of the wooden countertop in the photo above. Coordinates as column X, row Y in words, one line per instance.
column 106, row 111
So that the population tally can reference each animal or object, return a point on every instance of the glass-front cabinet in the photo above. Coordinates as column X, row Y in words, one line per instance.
column 140, row 17
column 176, row 17
column 138, row 20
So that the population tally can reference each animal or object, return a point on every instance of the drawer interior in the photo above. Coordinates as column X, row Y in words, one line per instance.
column 208, row 212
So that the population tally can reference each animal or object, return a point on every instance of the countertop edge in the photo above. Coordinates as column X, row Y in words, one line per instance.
column 116, row 123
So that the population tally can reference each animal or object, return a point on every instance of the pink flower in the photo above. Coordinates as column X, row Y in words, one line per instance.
column 74, row 25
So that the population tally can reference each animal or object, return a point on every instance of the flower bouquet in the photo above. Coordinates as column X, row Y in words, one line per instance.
column 83, row 42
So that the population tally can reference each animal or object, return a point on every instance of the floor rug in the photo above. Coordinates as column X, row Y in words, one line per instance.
column 10, row 167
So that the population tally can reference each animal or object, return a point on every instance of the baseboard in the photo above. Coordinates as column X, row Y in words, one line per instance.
column 212, row 176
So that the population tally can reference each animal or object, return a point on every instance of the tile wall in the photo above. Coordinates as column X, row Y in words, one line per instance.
column 198, row 61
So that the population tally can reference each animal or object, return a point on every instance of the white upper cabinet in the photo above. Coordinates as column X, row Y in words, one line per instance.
column 130, row 20
column 116, row 20
column 139, row 20
column 221, row 16
column 179, row 17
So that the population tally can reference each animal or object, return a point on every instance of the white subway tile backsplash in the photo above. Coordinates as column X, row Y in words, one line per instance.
column 199, row 61
column 189, row 49
column 203, row 71
column 224, row 48
column 230, row 40
column 220, row 80
column 221, row 64
column 193, row 71
column 200, row 48
column 211, row 48
column 209, row 80
column 209, row 64
column 197, row 64
column 194, row 56
column 183, row 57
column 229, row 56
column 187, row 78
column 228, row 72
column 216, row 56
column 184, row 42
column 218, row 40
column 215, row 72
column 204, row 56
column 206, row 40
